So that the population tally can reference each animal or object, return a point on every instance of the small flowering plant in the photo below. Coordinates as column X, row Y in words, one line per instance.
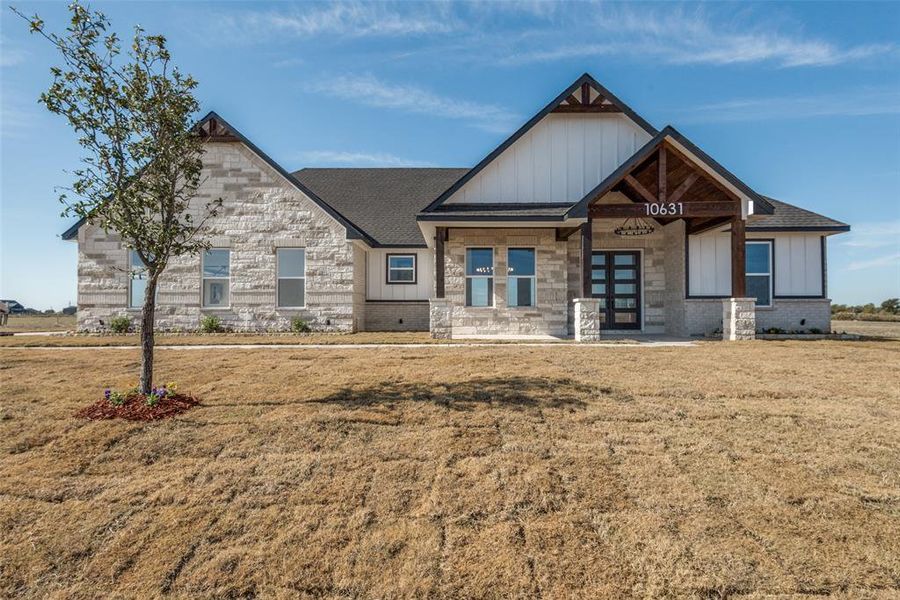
column 114, row 397
column 118, row 398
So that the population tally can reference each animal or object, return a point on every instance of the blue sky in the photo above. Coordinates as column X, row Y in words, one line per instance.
column 800, row 100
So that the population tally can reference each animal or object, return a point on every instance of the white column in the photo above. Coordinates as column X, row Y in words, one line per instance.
column 440, row 322
column 587, row 319
column 738, row 319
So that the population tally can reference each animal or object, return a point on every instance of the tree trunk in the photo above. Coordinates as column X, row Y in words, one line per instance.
column 148, row 317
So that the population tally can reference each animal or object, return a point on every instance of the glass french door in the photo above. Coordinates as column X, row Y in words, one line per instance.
column 616, row 280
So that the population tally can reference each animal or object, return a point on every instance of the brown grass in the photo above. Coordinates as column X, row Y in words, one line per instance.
column 714, row 471
column 22, row 323
column 883, row 329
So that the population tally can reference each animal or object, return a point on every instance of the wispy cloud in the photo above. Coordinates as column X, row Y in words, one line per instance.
column 848, row 103
column 873, row 235
column 10, row 56
column 882, row 261
column 674, row 35
column 358, row 159
column 371, row 91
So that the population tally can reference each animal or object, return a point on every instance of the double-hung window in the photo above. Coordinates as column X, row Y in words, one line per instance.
column 521, row 285
column 479, row 277
column 137, row 280
column 291, row 277
column 216, row 278
column 758, row 272
column 401, row 268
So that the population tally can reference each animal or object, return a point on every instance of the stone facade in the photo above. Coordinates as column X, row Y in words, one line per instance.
column 440, row 316
column 738, row 319
column 587, row 319
column 262, row 211
column 547, row 317
column 703, row 316
column 396, row 316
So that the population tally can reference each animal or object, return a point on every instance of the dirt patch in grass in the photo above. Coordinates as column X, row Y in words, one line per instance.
column 136, row 408
column 757, row 469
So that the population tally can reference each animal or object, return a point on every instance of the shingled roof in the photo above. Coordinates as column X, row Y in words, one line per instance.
column 382, row 202
column 788, row 217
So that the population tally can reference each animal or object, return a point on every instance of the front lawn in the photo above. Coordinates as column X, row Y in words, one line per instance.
column 709, row 471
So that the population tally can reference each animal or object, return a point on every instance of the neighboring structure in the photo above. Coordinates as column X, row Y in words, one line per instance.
column 14, row 307
column 586, row 221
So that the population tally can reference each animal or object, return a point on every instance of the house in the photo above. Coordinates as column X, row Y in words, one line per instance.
column 586, row 220
column 14, row 307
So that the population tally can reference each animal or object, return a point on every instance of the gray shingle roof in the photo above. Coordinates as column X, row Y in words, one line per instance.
column 382, row 202
column 790, row 217
column 513, row 211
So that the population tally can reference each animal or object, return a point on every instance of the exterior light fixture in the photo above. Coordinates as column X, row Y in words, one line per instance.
column 634, row 226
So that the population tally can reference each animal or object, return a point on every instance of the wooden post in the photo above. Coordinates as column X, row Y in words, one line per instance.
column 587, row 245
column 738, row 252
column 439, row 238
column 663, row 175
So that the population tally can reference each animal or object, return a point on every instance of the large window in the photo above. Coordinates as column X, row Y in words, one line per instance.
column 520, row 287
column 216, row 278
column 291, row 277
column 137, row 283
column 479, row 277
column 758, row 271
column 401, row 268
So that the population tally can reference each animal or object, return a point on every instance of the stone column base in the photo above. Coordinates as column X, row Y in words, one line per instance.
column 587, row 319
column 440, row 323
column 738, row 319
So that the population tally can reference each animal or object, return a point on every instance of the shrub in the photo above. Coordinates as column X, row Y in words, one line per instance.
column 120, row 324
column 815, row 330
column 298, row 325
column 210, row 324
column 114, row 397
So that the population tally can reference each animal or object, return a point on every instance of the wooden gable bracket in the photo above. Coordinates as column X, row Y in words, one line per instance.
column 585, row 105
column 213, row 131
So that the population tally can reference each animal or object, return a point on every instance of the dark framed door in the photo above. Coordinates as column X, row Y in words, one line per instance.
column 616, row 281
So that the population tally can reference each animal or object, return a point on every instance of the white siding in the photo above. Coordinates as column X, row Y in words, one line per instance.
column 798, row 263
column 560, row 159
column 377, row 287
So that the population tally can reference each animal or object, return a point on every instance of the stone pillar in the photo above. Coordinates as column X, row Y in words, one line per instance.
column 587, row 319
column 439, row 318
column 738, row 319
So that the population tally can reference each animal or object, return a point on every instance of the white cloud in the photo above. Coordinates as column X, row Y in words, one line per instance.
column 873, row 235
column 882, row 261
column 371, row 91
column 851, row 103
column 358, row 159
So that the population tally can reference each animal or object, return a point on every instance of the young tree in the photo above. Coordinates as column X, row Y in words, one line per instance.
column 891, row 306
column 134, row 115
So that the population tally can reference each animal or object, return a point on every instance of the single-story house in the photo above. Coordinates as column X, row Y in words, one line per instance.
column 586, row 220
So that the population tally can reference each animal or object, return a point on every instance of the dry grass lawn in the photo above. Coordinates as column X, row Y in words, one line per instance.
column 20, row 323
column 722, row 470
column 885, row 329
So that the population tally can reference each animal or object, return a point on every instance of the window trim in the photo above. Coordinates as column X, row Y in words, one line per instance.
column 533, row 278
column 130, row 300
column 771, row 274
column 203, row 278
column 278, row 278
column 387, row 268
column 466, row 275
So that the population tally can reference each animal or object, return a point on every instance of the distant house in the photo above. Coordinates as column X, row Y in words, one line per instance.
column 14, row 307
column 586, row 221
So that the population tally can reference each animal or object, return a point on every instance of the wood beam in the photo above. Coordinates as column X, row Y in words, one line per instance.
column 679, row 210
column 711, row 179
column 598, row 100
column 587, row 245
column 696, row 226
column 663, row 175
column 590, row 108
column 738, row 251
column 639, row 188
column 440, row 236
column 684, row 187
column 573, row 101
column 585, row 93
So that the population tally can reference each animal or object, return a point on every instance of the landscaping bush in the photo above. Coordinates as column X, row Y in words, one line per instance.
column 210, row 324
column 298, row 325
column 120, row 324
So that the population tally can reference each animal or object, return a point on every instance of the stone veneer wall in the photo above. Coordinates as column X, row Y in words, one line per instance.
column 386, row 316
column 261, row 212
column 548, row 317
column 704, row 315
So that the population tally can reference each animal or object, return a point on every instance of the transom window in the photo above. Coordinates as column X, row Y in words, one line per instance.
column 758, row 272
column 521, row 280
column 216, row 278
column 479, row 277
column 137, row 284
column 401, row 268
column 291, row 277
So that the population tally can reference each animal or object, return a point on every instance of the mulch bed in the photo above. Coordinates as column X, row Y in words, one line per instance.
column 135, row 408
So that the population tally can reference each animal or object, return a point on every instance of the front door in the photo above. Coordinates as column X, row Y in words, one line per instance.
column 616, row 280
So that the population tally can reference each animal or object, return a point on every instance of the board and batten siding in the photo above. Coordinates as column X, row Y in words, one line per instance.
column 377, row 287
column 560, row 159
column 798, row 263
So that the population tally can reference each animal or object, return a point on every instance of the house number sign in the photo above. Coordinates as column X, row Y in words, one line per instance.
column 657, row 209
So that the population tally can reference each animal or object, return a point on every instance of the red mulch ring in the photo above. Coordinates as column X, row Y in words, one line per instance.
column 135, row 408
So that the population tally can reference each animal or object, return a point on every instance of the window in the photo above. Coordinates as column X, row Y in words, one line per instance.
column 479, row 277
column 758, row 272
column 216, row 278
column 401, row 268
column 137, row 282
column 521, row 280
column 291, row 277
